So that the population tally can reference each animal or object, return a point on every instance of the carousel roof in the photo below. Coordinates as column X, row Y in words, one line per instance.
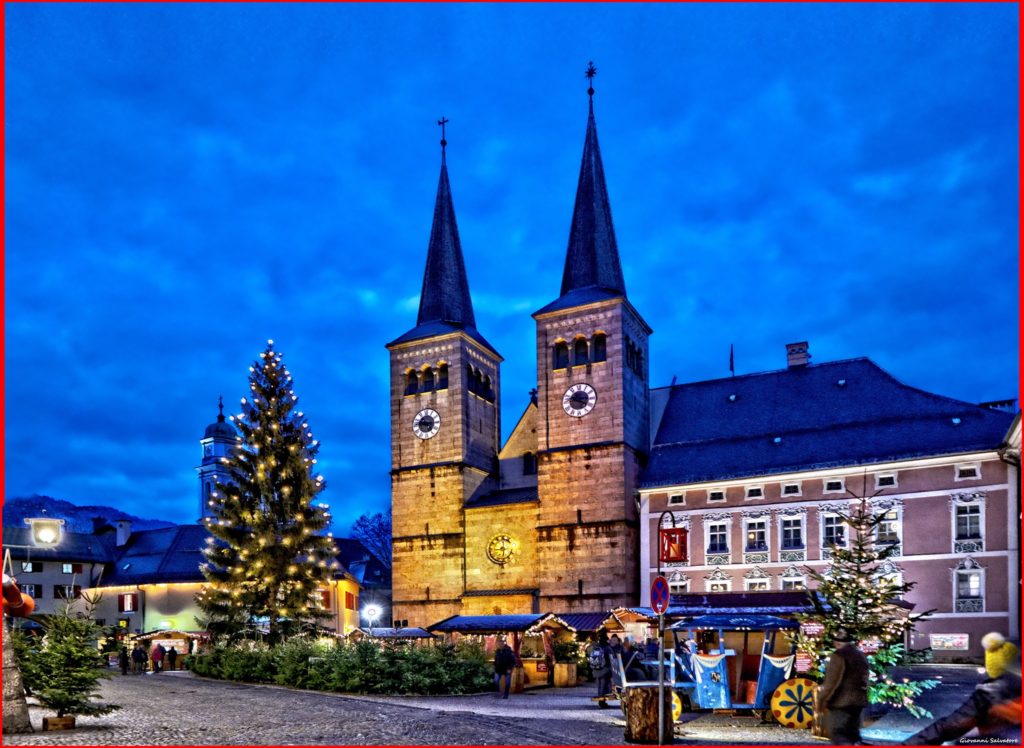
column 737, row 623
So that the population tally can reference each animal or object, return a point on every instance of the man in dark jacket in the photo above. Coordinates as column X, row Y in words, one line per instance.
column 844, row 691
column 504, row 664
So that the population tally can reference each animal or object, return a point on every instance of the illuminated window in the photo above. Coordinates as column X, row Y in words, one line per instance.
column 31, row 567
column 127, row 602
column 32, row 590
column 67, row 591
column 71, row 568
column 757, row 535
column 793, row 583
column 888, row 529
column 756, row 585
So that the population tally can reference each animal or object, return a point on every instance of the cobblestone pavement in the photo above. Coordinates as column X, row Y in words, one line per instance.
column 177, row 709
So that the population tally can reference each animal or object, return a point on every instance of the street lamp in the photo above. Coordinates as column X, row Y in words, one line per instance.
column 371, row 613
column 46, row 531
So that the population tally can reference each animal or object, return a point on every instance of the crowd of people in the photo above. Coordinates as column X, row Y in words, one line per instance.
column 138, row 660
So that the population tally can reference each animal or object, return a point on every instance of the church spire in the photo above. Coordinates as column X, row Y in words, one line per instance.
column 445, row 294
column 592, row 258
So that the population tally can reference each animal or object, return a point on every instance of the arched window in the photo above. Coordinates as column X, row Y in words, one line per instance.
column 412, row 384
column 639, row 363
column 630, row 354
column 428, row 380
column 529, row 463
column 600, row 349
column 470, row 379
column 581, row 354
column 561, row 359
column 485, row 389
column 208, row 489
column 442, row 377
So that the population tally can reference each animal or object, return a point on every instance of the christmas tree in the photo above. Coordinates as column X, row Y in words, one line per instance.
column 269, row 552
column 63, row 669
column 860, row 592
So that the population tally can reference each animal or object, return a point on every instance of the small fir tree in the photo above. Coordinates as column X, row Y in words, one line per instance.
column 269, row 553
column 63, row 669
column 854, row 594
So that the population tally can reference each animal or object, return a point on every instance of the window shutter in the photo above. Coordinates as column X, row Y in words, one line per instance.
column 76, row 568
column 325, row 598
column 135, row 601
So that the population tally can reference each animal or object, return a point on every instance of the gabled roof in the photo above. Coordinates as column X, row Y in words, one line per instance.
column 835, row 414
column 74, row 546
column 737, row 622
column 400, row 633
column 168, row 555
column 592, row 269
column 587, row 622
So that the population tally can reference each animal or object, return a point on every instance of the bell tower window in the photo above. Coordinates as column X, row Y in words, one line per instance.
column 442, row 377
column 561, row 355
column 600, row 347
column 412, row 384
column 428, row 380
column 581, row 354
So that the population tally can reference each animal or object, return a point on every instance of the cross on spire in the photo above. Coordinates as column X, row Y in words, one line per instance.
column 220, row 407
column 442, row 122
column 590, row 73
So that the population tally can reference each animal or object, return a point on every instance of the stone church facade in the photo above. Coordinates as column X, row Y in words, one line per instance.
column 547, row 521
column 726, row 486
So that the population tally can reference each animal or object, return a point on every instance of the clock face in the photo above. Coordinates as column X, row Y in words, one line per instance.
column 500, row 549
column 579, row 400
column 426, row 423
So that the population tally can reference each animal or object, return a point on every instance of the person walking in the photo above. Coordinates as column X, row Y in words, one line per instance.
column 843, row 693
column 172, row 658
column 999, row 653
column 504, row 664
column 994, row 708
column 138, row 659
column 123, row 660
column 600, row 666
column 157, row 656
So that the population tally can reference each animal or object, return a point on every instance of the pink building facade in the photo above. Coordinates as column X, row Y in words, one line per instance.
column 747, row 475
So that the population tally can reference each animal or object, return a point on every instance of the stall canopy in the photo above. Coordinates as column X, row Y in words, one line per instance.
column 737, row 623
column 173, row 634
column 527, row 623
column 586, row 623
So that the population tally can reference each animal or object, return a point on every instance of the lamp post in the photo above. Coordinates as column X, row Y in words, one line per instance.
column 372, row 613
column 46, row 533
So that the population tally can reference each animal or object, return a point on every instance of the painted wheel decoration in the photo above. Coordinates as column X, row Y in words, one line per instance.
column 677, row 707
column 792, row 702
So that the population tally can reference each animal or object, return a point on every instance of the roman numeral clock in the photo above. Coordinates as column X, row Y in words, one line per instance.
column 426, row 423
column 579, row 400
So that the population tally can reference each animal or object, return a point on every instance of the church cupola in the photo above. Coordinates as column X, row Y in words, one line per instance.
column 218, row 439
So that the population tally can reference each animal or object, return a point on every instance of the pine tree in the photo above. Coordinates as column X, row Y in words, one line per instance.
column 854, row 594
column 269, row 552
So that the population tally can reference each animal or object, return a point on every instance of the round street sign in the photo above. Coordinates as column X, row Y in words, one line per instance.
column 659, row 595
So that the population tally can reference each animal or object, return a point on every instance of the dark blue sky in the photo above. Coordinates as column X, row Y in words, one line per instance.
column 184, row 182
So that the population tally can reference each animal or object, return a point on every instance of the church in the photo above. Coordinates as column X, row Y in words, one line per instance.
column 599, row 482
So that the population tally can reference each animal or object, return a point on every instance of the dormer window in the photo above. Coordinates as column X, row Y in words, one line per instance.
column 885, row 480
column 968, row 472
column 835, row 485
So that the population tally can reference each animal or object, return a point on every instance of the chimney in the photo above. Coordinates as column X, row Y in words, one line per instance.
column 797, row 355
column 124, row 531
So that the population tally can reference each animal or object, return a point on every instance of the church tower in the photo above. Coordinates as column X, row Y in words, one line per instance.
column 218, row 439
column 445, row 428
column 592, row 423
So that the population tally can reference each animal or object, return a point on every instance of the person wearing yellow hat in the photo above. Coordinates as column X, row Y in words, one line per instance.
column 998, row 653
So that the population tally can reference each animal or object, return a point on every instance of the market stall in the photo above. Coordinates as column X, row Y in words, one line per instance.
column 531, row 636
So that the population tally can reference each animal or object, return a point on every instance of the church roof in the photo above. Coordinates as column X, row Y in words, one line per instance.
column 503, row 496
column 834, row 414
column 445, row 303
column 592, row 257
column 220, row 428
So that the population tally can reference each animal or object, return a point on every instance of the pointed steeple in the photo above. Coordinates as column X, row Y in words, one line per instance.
column 445, row 303
column 592, row 259
column 445, row 294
